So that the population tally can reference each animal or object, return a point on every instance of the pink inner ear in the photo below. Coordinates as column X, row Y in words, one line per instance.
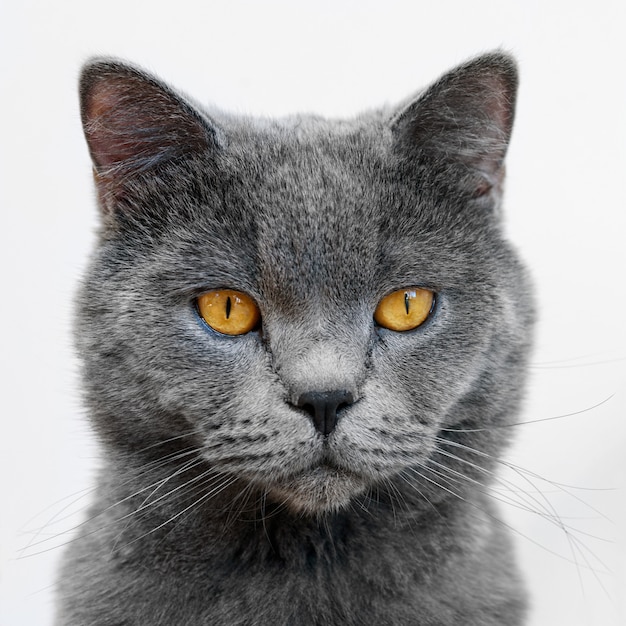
column 108, row 128
column 498, row 104
column 131, row 121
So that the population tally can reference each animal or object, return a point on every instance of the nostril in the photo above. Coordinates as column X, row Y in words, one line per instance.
column 307, row 406
column 323, row 407
column 342, row 406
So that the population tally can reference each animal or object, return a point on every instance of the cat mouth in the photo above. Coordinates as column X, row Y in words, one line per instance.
column 329, row 469
column 327, row 461
column 326, row 464
column 324, row 486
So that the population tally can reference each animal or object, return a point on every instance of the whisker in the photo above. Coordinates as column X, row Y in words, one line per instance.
column 163, row 462
column 565, row 488
column 545, row 509
column 393, row 492
column 243, row 497
column 424, row 497
column 164, row 442
column 546, row 513
column 538, row 507
column 537, row 421
column 229, row 520
column 147, row 502
column 494, row 518
column 570, row 364
column 198, row 501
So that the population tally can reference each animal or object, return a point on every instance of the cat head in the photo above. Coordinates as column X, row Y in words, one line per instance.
column 379, row 310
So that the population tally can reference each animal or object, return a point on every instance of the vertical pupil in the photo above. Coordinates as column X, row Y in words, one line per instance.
column 228, row 306
column 406, row 301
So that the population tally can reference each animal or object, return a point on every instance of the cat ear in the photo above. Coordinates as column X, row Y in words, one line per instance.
column 464, row 118
column 133, row 123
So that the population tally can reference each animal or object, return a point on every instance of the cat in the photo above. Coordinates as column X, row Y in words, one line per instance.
column 302, row 341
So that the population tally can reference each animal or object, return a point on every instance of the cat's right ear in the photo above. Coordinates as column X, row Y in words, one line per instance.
column 133, row 123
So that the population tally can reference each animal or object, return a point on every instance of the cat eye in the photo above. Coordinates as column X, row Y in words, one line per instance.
column 404, row 309
column 229, row 312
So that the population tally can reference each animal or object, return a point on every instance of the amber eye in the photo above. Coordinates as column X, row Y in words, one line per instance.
column 404, row 309
column 229, row 312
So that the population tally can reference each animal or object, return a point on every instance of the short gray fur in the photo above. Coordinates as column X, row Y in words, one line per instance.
column 218, row 501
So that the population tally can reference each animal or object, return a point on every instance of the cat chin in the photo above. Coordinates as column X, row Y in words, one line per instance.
column 319, row 490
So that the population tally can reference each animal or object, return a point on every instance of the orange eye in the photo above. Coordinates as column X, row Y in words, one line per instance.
column 404, row 309
column 229, row 312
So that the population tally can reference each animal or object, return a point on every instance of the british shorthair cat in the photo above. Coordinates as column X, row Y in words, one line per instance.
column 302, row 340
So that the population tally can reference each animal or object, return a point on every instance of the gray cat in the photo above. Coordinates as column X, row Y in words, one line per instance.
column 302, row 340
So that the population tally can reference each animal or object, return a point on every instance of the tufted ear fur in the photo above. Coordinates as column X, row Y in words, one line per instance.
column 134, row 123
column 465, row 119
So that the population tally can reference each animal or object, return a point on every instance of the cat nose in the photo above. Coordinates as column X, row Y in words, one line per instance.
column 323, row 407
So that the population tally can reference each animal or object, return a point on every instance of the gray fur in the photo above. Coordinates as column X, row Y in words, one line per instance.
column 219, row 503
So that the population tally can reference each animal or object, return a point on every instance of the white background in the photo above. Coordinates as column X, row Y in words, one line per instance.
column 565, row 211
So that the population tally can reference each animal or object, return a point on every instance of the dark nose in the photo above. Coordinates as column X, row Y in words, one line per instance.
column 323, row 406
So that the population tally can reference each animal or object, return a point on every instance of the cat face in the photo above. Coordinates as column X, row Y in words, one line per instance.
column 318, row 225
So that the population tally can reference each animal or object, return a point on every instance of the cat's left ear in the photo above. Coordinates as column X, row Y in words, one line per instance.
column 463, row 123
